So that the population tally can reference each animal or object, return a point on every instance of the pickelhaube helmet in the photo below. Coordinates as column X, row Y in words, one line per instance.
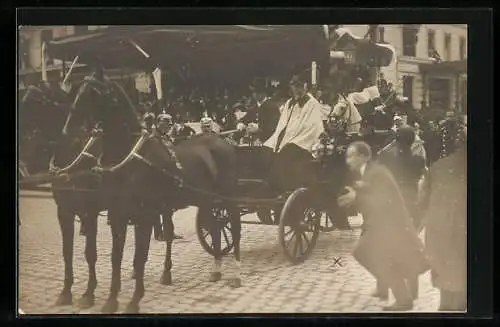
column 164, row 118
column 206, row 122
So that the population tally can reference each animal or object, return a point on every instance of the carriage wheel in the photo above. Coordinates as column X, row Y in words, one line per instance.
column 326, row 223
column 299, row 226
column 222, row 218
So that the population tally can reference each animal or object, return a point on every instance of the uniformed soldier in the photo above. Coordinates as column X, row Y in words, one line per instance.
column 207, row 125
column 164, row 129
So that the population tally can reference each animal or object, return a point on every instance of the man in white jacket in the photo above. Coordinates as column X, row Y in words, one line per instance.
column 299, row 128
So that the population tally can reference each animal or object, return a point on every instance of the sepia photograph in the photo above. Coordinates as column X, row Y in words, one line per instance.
column 236, row 169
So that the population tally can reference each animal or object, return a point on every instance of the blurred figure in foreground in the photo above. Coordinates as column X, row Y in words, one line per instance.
column 446, row 228
column 389, row 247
column 407, row 168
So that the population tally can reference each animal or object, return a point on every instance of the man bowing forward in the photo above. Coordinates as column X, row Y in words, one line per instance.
column 389, row 247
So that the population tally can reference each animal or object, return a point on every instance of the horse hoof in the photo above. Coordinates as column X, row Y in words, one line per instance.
column 65, row 298
column 132, row 275
column 132, row 308
column 86, row 301
column 166, row 278
column 111, row 306
column 215, row 277
column 235, row 283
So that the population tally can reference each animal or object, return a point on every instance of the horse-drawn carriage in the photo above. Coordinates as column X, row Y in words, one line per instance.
column 140, row 174
column 301, row 213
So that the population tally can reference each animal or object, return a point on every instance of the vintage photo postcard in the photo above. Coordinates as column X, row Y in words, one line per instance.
column 242, row 169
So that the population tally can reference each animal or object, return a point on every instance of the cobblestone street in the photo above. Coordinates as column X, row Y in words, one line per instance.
column 270, row 283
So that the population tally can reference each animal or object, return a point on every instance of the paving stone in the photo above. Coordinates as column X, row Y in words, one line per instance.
column 270, row 283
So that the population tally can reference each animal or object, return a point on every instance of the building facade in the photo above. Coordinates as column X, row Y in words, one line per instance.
column 430, row 68
column 431, row 65
column 30, row 40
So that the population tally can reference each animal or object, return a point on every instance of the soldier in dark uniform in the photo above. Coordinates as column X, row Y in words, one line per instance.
column 164, row 127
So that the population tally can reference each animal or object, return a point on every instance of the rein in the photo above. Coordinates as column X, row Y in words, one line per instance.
column 84, row 153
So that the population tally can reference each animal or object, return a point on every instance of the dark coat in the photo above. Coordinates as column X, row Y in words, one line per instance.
column 267, row 116
column 446, row 223
column 407, row 169
column 390, row 241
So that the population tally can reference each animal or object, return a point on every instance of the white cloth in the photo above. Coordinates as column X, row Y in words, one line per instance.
column 305, row 125
column 325, row 111
column 372, row 92
column 351, row 114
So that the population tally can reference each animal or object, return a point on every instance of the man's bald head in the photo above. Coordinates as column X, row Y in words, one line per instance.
column 362, row 148
column 358, row 153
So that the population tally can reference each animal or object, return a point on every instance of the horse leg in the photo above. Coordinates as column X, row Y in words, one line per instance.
column 88, row 298
column 119, row 233
column 168, row 231
column 236, row 230
column 215, row 231
column 133, row 274
column 142, row 241
column 66, row 219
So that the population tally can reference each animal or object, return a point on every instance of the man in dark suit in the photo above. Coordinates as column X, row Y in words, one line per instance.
column 389, row 247
column 265, row 112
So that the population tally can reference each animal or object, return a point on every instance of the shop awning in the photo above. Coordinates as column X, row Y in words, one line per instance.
column 366, row 52
column 446, row 67
column 167, row 44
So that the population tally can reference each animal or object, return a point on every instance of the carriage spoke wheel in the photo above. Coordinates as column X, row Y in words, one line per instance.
column 219, row 218
column 326, row 224
column 299, row 226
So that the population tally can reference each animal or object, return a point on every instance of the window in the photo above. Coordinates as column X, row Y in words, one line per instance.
column 408, row 88
column 381, row 34
column 447, row 47
column 409, row 41
column 462, row 48
column 431, row 41
column 439, row 93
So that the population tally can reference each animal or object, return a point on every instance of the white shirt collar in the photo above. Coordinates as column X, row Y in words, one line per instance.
column 362, row 170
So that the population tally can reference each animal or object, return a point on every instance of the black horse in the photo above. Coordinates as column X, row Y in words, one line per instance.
column 147, row 176
column 46, row 107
